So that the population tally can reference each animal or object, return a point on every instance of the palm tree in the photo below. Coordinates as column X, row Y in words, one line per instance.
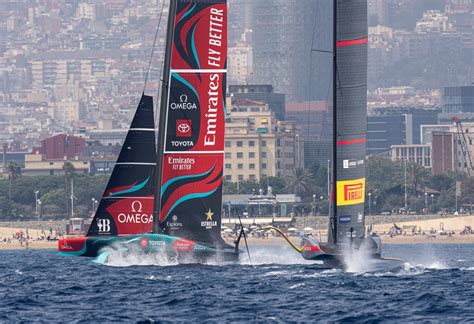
column 299, row 181
column 14, row 171
column 416, row 175
column 68, row 169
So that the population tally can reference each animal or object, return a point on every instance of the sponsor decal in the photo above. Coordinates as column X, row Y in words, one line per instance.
column 360, row 217
column 72, row 244
column 351, row 192
column 209, row 223
column 132, row 215
column 144, row 242
column 103, row 225
column 205, row 92
column 345, row 219
column 174, row 224
column 66, row 247
column 181, row 163
column 184, row 128
column 216, row 32
column 313, row 248
column 156, row 243
column 349, row 164
column 136, row 216
column 212, row 111
column 182, row 143
column 183, row 246
column 183, row 104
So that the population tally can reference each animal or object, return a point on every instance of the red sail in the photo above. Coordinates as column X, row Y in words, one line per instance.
column 191, row 187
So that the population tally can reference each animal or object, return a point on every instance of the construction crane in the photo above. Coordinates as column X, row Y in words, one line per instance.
column 462, row 138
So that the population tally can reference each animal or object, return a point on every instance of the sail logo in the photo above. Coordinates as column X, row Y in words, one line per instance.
column 184, row 128
column 345, row 219
column 136, row 216
column 174, row 224
column 216, row 37
column 349, row 164
column 181, row 163
column 103, row 225
column 209, row 222
column 183, row 104
column 351, row 192
column 137, row 206
column 212, row 110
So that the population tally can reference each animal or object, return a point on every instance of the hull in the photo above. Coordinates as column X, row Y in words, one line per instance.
column 365, row 257
column 173, row 247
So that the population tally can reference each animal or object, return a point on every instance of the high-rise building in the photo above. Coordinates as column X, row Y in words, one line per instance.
column 258, row 145
column 240, row 64
column 378, row 12
column 315, row 122
column 239, row 19
column 262, row 93
column 459, row 99
column 442, row 146
column 286, row 34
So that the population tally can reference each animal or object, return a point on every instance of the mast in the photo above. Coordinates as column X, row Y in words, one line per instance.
column 162, row 114
column 334, row 124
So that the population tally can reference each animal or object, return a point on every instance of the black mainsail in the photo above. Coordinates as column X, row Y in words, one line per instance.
column 350, row 120
column 347, row 241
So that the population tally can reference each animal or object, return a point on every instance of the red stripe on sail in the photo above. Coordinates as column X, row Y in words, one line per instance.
column 352, row 42
column 350, row 142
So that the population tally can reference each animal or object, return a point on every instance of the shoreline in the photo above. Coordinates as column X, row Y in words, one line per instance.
column 414, row 231
column 276, row 241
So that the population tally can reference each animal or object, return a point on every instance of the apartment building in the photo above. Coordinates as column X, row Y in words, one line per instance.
column 258, row 145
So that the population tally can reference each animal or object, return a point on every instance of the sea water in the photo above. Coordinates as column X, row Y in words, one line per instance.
column 435, row 284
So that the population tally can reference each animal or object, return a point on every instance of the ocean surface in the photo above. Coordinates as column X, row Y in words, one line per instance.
column 435, row 284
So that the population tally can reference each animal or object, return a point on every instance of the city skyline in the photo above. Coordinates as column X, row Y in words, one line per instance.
column 78, row 67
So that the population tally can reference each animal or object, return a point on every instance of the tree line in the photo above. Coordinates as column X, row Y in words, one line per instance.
column 386, row 183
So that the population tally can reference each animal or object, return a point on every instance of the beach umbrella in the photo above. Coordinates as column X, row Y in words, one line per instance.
column 308, row 229
column 292, row 229
column 228, row 231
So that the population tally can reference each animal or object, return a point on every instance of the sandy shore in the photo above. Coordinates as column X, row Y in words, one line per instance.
column 35, row 243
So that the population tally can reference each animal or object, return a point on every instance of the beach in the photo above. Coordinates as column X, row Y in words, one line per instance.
column 9, row 239
column 37, row 240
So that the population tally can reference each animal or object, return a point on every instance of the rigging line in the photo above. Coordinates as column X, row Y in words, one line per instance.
column 322, row 51
column 154, row 46
column 160, row 80
column 308, row 126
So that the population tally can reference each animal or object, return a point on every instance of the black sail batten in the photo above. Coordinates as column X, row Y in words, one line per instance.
column 126, row 206
column 350, row 120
